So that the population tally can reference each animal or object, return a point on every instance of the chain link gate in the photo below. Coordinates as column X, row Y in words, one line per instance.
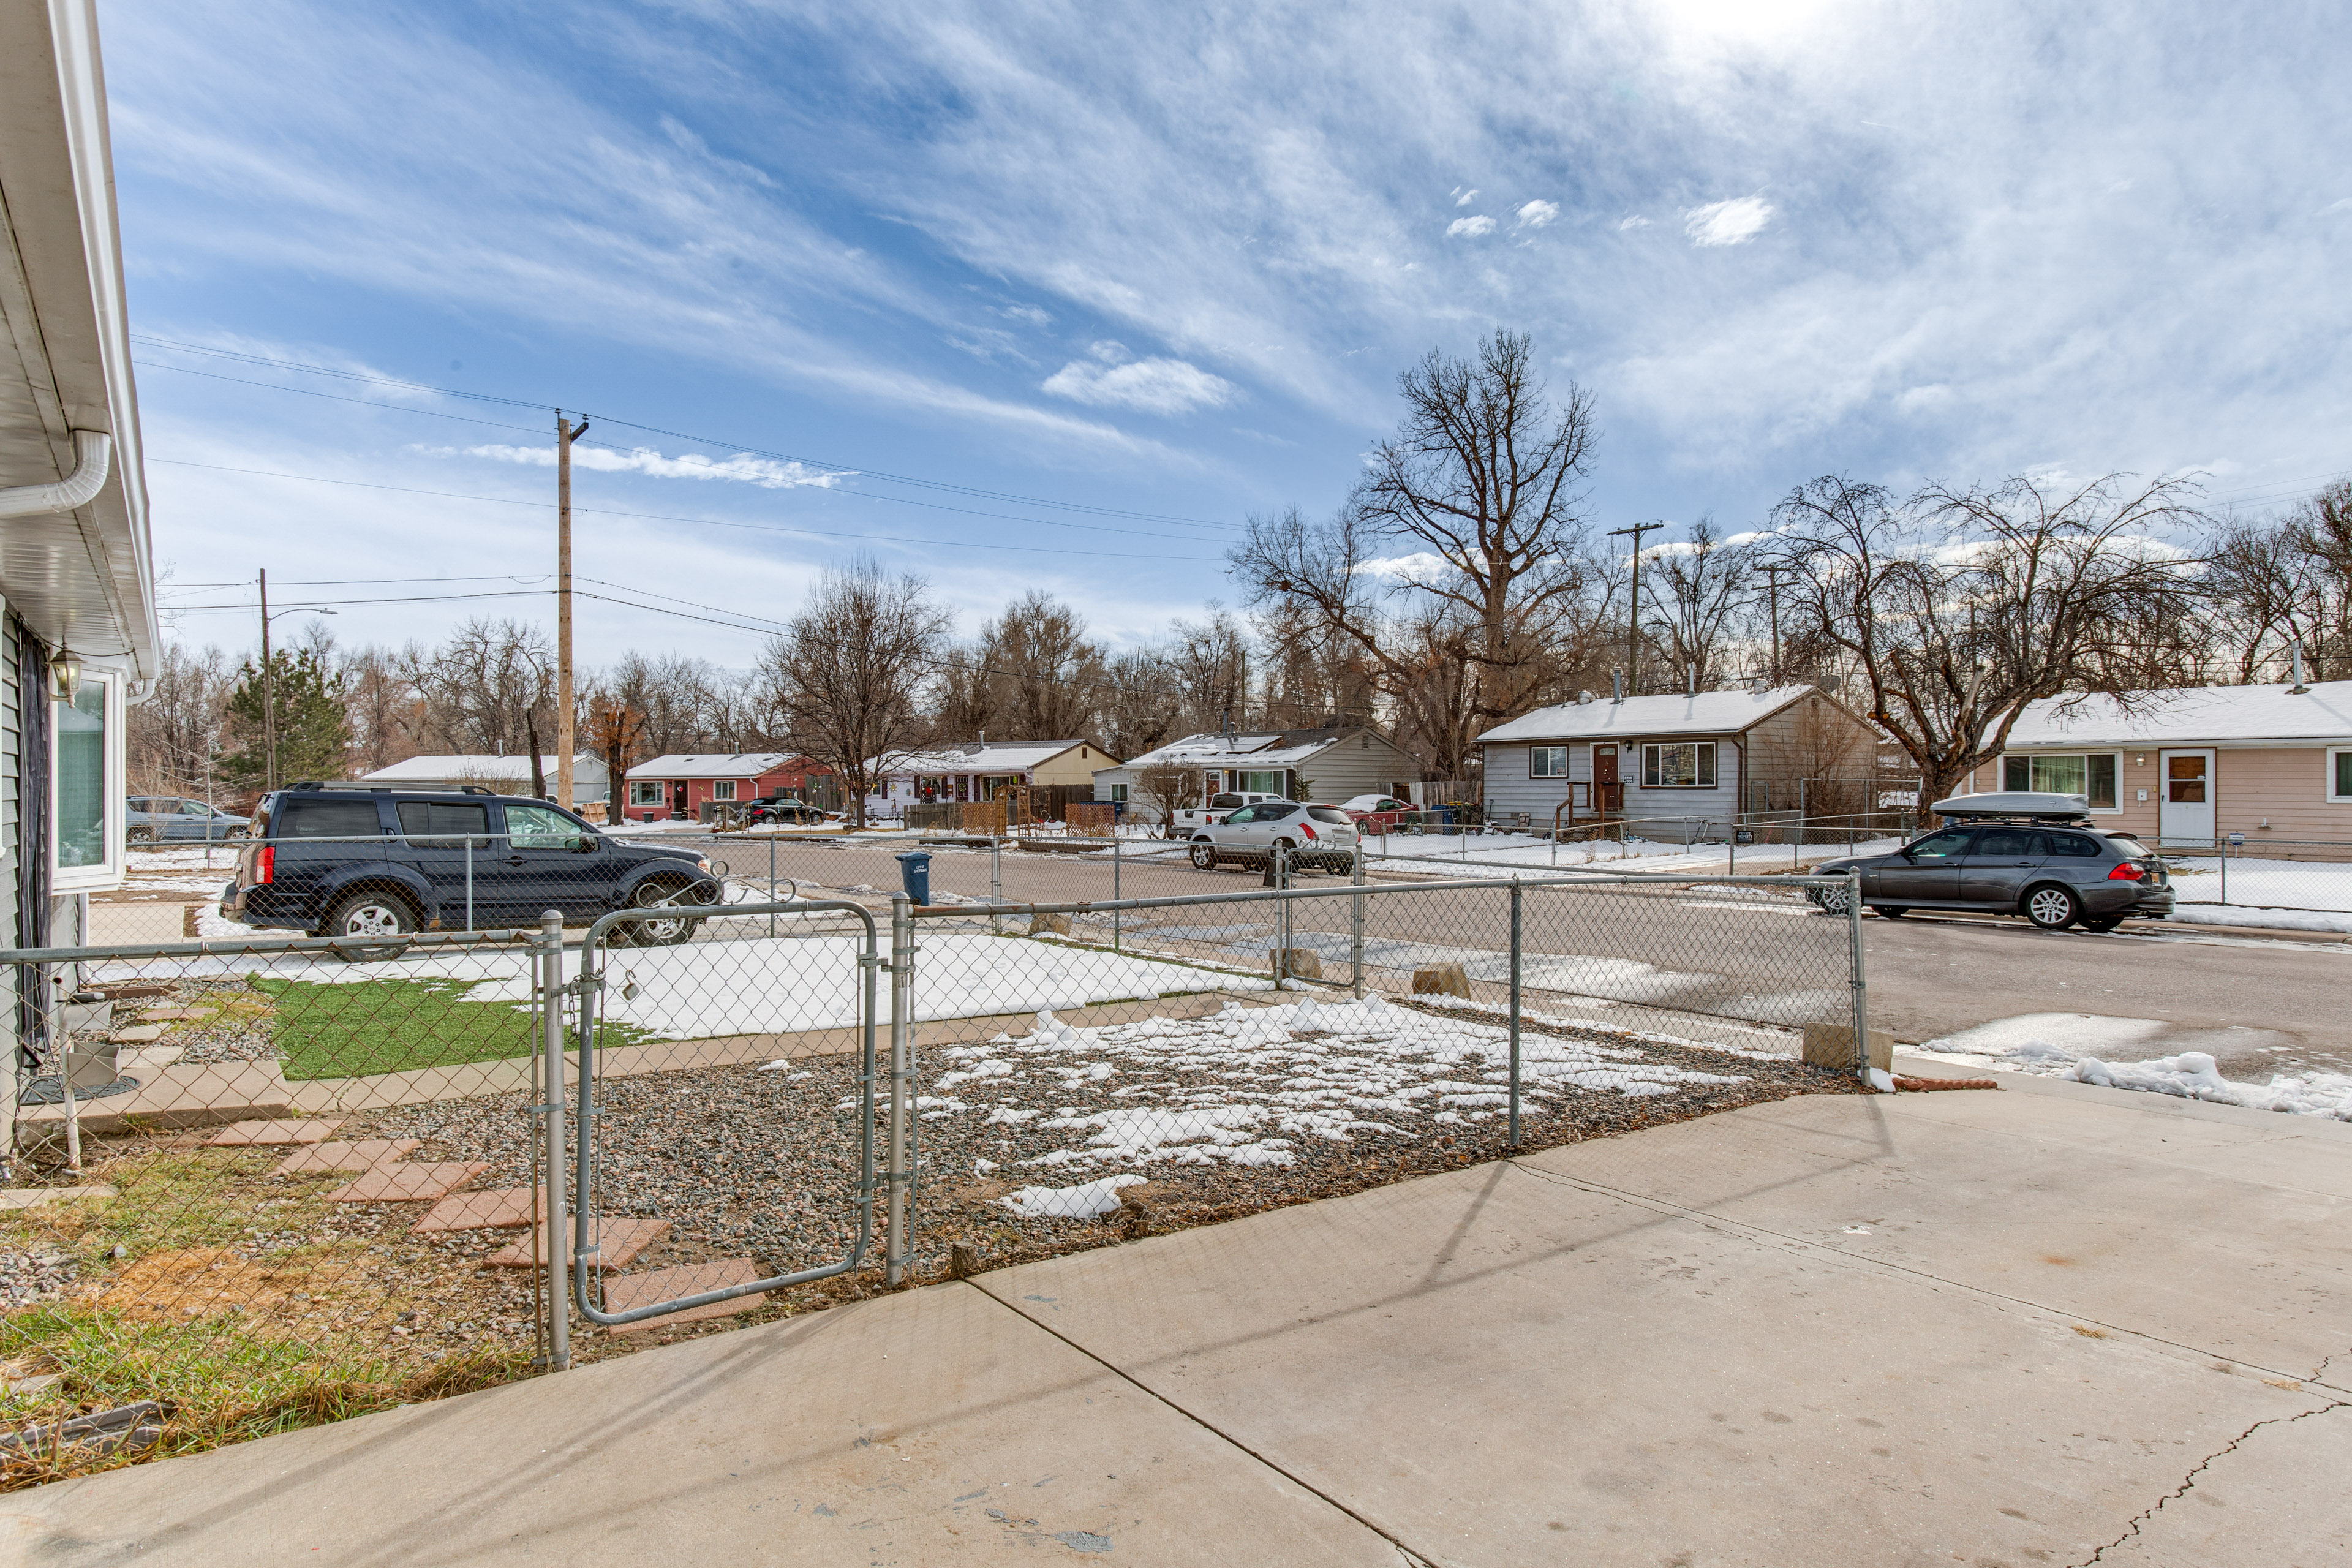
column 662, row 1078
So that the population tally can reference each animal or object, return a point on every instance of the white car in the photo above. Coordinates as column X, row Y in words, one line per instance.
column 1221, row 805
column 1316, row 836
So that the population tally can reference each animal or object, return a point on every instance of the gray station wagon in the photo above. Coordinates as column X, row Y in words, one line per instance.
column 2013, row 854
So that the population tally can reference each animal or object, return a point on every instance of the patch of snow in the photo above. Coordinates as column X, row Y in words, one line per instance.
column 1085, row 1201
column 2193, row 1075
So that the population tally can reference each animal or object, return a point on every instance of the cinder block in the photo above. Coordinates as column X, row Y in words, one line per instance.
column 1301, row 962
column 1831, row 1046
column 1441, row 980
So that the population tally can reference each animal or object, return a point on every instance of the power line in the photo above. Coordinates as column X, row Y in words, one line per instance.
column 704, row 522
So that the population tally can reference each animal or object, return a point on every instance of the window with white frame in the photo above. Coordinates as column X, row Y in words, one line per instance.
column 86, row 784
column 1118, row 792
column 1262, row 783
column 1678, row 764
column 647, row 792
column 724, row 789
column 2339, row 774
column 2090, row 776
column 1547, row 762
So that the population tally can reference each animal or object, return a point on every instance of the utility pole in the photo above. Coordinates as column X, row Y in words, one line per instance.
column 1772, row 597
column 268, row 697
column 565, row 434
column 1633, row 615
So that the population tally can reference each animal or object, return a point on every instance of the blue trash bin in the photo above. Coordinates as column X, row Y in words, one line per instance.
column 915, row 871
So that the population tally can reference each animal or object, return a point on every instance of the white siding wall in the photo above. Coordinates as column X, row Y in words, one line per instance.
column 1509, row 789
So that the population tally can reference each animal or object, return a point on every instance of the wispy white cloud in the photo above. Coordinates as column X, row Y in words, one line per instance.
column 1466, row 199
column 1403, row 568
column 1535, row 214
column 742, row 469
column 1636, row 221
column 1110, row 378
column 1471, row 227
column 1728, row 223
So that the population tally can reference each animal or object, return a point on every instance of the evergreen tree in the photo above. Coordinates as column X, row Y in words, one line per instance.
column 314, row 725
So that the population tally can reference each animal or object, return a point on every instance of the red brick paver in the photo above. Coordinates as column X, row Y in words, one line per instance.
column 617, row 1242
column 241, row 1133
column 408, row 1181
column 623, row 1292
column 365, row 1155
column 498, row 1208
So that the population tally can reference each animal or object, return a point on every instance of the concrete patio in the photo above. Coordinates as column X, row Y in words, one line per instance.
column 2040, row 1326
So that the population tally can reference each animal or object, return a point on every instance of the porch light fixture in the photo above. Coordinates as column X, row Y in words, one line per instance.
column 65, row 670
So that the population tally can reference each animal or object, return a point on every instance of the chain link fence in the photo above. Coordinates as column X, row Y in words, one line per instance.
column 263, row 1181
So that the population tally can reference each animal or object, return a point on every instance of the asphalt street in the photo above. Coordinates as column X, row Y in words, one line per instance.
column 2256, row 1004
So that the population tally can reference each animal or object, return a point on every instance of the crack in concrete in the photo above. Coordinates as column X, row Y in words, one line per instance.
column 2319, row 1374
column 2189, row 1481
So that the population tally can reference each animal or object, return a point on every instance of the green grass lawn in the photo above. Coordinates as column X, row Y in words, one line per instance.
column 397, row 1025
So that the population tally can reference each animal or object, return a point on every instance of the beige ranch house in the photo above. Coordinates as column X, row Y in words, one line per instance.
column 2270, row 761
column 1704, row 756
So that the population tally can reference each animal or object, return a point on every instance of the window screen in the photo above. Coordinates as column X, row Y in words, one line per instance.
column 1678, row 764
column 2090, row 776
column 1547, row 762
column 329, row 819
column 448, row 825
column 725, row 789
column 2343, row 761
column 647, row 792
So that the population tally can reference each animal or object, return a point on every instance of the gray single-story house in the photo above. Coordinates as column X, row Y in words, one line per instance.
column 1688, row 755
column 1335, row 764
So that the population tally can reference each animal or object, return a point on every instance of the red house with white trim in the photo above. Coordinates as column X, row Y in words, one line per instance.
column 682, row 784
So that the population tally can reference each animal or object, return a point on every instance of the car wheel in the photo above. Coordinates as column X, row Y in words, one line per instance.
column 1205, row 857
column 2104, row 923
column 365, row 915
column 2053, row 908
column 140, row 836
column 667, row 930
column 1891, row 911
column 1831, row 900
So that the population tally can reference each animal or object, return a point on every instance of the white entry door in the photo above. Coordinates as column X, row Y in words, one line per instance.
column 2185, row 815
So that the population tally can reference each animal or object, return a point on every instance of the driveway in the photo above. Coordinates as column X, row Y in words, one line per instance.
column 2038, row 1327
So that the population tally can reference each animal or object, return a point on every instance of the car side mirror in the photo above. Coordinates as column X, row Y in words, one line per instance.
column 584, row 845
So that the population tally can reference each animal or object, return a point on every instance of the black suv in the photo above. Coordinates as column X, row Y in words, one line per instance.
column 378, row 862
column 781, row 808
column 2012, row 854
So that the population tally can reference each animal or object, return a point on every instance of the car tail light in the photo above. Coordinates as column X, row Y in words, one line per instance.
column 2127, row 872
column 1307, row 829
column 265, row 864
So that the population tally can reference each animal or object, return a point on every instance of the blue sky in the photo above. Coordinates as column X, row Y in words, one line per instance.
column 1150, row 269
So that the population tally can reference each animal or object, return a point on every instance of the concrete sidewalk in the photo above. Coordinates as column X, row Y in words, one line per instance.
column 2031, row 1327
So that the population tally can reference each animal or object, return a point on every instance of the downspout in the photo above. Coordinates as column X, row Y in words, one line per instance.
column 93, row 452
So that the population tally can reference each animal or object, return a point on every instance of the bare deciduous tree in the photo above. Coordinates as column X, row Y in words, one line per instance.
column 848, row 669
column 1038, row 650
column 1702, row 586
column 1956, row 608
column 1481, row 489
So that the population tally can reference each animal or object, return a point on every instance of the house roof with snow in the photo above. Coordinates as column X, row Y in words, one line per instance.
column 2194, row 715
column 1279, row 749
column 445, row 766
column 1678, row 713
column 718, row 764
column 980, row 757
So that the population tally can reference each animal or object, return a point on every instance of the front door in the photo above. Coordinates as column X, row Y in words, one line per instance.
column 2185, row 815
column 677, row 798
column 1606, row 795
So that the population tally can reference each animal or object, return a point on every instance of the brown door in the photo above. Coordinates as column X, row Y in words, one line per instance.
column 1606, row 794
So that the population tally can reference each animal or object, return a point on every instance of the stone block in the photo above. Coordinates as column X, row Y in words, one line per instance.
column 318, row 1159
column 626, row 1292
column 618, row 1244
column 1300, row 963
column 408, row 1182
column 498, row 1208
column 1831, row 1046
column 1441, row 980
column 1039, row 924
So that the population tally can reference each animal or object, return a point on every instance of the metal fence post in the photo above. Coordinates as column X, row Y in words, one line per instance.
column 470, row 882
column 896, row 1243
column 2224, row 846
column 995, row 881
column 1281, row 884
column 1115, row 866
column 1861, row 986
column 1516, row 949
column 771, row 877
column 559, row 1277
column 1356, row 924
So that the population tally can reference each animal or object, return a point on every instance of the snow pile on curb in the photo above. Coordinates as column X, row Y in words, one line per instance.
column 2023, row 1045
column 2193, row 1075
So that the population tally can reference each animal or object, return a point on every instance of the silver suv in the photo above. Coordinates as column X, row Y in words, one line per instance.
column 2013, row 854
column 1316, row 836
